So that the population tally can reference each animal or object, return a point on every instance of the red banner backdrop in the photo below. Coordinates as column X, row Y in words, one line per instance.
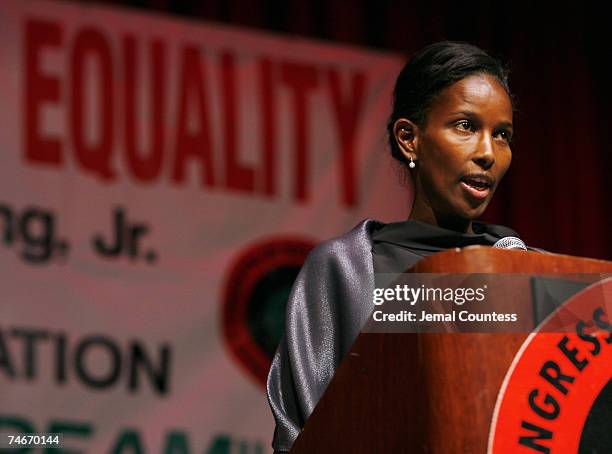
column 161, row 182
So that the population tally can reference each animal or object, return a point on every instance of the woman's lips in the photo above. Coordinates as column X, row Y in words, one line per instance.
column 477, row 192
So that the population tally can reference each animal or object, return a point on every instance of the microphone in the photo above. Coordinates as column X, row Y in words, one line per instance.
column 510, row 242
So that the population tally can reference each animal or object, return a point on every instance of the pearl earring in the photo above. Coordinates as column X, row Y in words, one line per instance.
column 412, row 165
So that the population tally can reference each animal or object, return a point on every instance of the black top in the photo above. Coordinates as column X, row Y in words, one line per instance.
column 399, row 245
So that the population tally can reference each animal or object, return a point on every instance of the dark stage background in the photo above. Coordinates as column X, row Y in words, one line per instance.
column 556, row 192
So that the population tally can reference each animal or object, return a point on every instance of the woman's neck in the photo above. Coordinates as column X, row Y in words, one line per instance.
column 423, row 213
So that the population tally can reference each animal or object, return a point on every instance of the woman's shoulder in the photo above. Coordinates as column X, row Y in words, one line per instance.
column 355, row 241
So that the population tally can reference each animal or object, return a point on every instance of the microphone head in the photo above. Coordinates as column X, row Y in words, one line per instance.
column 510, row 242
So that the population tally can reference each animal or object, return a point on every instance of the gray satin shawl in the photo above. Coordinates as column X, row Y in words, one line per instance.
column 330, row 301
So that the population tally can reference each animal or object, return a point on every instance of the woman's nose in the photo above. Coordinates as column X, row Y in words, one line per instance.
column 484, row 155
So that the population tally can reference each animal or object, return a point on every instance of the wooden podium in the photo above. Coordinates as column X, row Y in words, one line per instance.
column 433, row 392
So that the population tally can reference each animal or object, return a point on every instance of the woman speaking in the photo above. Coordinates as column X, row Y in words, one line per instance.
column 451, row 127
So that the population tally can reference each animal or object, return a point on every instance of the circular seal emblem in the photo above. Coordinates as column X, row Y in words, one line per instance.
column 557, row 394
column 254, row 299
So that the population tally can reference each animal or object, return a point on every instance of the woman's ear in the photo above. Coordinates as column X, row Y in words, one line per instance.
column 407, row 136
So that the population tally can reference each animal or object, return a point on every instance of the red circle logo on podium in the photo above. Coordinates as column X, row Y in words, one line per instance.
column 557, row 394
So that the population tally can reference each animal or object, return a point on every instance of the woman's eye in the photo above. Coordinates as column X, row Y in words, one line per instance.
column 505, row 135
column 465, row 125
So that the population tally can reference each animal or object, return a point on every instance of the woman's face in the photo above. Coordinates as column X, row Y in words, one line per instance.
column 462, row 151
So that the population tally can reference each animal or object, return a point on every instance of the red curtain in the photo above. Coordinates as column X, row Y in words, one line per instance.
column 556, row 193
